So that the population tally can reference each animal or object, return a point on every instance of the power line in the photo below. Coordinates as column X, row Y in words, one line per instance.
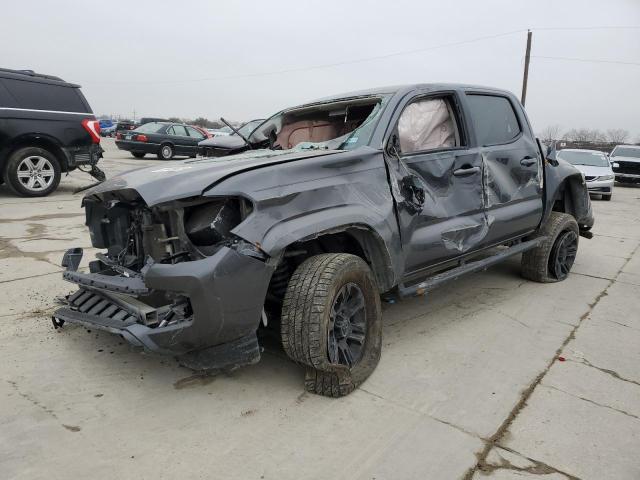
column 327, row 65
column 380, row 57
column 587, row 60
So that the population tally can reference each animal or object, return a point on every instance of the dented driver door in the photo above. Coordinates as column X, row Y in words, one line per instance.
column 441, row 208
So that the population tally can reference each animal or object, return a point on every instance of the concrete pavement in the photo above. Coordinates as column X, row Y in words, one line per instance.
column 492, row 377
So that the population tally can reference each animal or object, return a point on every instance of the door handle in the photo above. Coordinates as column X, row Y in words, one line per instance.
column 527, row 161
column 466, row 171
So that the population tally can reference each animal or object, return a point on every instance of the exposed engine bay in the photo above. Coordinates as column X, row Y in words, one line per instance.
column 136, row 237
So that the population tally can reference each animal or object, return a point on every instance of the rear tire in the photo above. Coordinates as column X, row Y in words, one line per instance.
column 166, row 152
column 331, row 322
column 138, row 154
column 607, row 198
column 552, row 260
column 32, row 172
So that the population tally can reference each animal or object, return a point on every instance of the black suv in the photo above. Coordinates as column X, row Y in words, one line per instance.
column 46, row 128
column 390, row 191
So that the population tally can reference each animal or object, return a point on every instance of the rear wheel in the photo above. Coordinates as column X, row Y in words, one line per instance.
column 165, row 152
column 32, row 172
column 331, row 322
column 552, row 260
column 138, row 154
column 607, row 198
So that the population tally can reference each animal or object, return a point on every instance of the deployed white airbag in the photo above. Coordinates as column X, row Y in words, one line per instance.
column 426, row 125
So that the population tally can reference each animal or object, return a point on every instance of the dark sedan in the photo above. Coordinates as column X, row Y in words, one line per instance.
column 164, row 139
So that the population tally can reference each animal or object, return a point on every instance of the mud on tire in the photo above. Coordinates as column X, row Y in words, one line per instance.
column 319, row 293
column 540, row 264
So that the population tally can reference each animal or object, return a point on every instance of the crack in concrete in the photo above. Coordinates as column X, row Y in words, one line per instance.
column 423, row 414
column 32, row 276
column 613, row 373
column 526, row 393
column 538, row 468
column 591, row 401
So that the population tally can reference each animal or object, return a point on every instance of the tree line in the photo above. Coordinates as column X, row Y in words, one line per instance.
column 613, row 135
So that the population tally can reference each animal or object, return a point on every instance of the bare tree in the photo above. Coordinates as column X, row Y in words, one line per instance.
column 617, row 135
column 585, row 135
column 551, row 133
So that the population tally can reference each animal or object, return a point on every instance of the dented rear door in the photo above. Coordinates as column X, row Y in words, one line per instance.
column 511, row 162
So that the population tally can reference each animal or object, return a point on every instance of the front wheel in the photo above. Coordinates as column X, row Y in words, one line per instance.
column 138, row 154
column 32, row 172
column 165, row 152
column 331, row 322
column 551, row 261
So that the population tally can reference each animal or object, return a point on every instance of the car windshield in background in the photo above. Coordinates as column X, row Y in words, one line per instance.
column 150, row 128
column 249, row 127
column 626, row 152
column 339, row 125
column 592, row 159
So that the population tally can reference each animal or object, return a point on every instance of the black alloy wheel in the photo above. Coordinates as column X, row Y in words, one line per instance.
column 347, row 326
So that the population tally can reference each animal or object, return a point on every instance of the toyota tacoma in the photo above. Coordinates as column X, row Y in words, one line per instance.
column 326, row 207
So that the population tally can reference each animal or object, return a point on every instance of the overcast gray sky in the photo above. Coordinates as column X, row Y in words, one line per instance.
column 206, row 58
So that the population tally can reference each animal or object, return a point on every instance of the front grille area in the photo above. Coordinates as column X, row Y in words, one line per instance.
column 91, row 303
column 589, row 178
column 627, row 167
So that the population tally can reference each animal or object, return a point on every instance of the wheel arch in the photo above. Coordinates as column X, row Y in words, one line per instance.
column 568, row 194
column 37, row 140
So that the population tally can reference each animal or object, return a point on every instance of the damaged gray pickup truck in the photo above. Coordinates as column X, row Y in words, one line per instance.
column 322, row 209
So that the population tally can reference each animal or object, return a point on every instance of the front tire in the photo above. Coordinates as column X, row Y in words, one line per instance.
column 331, row 322
column 32, row 172
column 166, row 152
column 138, row 154
column 551, row 261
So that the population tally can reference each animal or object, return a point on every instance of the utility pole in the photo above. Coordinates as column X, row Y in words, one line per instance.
column 525, row 78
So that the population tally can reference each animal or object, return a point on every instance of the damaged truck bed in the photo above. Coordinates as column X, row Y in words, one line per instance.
column 325, row 207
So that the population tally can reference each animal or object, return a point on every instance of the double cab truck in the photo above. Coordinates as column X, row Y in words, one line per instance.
column 323, row 209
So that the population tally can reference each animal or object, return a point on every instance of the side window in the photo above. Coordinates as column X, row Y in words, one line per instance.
column 6, row 100
column 493, row 119
column 170, row 131
column 428, row 124
column 195, row 133
column 45, row 96
column 179, row 130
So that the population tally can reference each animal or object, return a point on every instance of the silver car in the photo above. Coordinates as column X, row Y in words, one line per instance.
column 595, row 167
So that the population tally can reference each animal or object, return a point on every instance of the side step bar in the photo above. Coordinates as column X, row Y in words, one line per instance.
column 471, row 267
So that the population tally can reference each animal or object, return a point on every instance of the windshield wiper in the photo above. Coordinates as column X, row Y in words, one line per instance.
column 236, row 132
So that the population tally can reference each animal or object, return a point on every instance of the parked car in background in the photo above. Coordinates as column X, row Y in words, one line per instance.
column 145, row 120
column 394, row 190
column 125, row 126
column 164, row 139
column 221, row 145
column 108, row 131
column 595, row 167
column 202, row 130
column 46, row 128
column 626, row 163
column 217, row 132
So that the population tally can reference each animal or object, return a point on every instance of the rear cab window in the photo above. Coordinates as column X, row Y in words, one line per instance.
column 34, row 95
column 494, row 119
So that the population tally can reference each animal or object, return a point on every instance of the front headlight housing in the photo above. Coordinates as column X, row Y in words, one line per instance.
column 606, row 177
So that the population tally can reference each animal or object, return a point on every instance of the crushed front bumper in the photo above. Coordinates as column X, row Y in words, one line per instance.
column 226, row 292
